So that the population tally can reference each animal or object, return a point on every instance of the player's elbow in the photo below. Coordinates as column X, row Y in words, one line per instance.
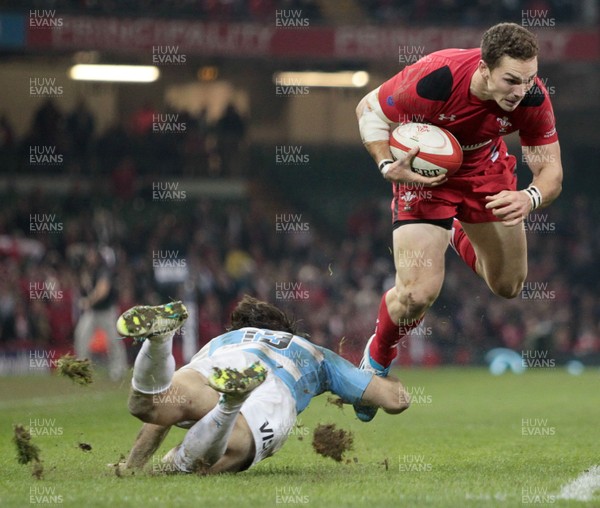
column 557, row 189
column 400, row 402
column 403, row 400
column 554, row 185
column 552, row 176
column 358, row 110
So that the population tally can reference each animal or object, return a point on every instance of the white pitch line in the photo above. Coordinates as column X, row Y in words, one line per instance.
column 583, row 487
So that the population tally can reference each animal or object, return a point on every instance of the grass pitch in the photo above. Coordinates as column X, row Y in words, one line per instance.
column 469, row 439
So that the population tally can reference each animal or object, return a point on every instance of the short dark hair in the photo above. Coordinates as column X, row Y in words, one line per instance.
column 507, row 39
column 258, row 314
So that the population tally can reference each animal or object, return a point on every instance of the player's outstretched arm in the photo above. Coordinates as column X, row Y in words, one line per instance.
column 354, row 385
column 388, row 393
column 511, row 207
column 546, row 166
column 146, row 443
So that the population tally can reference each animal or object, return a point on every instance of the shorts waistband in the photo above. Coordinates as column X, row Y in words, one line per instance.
column 468, row 148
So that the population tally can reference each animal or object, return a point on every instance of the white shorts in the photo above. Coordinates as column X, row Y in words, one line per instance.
column 270, row 411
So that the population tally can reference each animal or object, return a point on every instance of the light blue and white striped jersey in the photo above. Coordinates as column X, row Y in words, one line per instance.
column 305, row 368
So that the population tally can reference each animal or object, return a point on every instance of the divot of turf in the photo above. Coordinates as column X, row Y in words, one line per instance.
column 26, row 451
column 79, row 371
column 330, row 441
column 85, row 447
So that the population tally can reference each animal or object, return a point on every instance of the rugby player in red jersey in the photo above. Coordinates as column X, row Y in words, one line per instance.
column 479, row 95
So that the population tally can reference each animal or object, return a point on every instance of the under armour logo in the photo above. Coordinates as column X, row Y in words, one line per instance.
column 444, row 117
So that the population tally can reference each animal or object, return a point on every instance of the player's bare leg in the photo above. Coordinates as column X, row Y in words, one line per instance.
column 188, row 398
column 158, row 395
column 219, row 439
column 207, row 446
column 238, row 454
column 501, row 255
column 419, row 258
column 420, row 266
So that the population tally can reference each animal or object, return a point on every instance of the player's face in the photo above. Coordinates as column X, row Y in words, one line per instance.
column 508, row 83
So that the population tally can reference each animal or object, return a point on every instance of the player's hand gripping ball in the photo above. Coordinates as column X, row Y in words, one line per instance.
column 439, row 151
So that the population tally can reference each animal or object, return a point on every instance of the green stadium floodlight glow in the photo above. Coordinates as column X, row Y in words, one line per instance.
column 340, row 79
column 115, row 73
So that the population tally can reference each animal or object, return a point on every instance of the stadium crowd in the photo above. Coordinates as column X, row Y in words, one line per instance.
column 220, row 10
column 413, row 12
column 483, row 12
column 146, row 141
column 230, row 248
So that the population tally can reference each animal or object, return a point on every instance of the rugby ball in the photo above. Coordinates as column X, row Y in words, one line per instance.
column 440, row 152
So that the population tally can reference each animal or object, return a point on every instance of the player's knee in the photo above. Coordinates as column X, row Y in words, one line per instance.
column 415, row 302
column 141, row 406
column 508, row 289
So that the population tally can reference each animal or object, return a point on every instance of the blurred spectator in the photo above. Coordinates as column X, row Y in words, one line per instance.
column 210, row 318
column 230, row 131
column 8, row 302
column 99, row 311
column 195, row 146
column 7, row 137
column 80, row 128
column 48, row 124
column 142, row 119
column 123, row 179
column 114, row 145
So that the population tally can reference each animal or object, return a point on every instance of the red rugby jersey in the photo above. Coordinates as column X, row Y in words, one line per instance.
column 435, row 90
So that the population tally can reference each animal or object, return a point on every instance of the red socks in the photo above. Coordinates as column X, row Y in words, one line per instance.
column 387, row 335
column 462, row 245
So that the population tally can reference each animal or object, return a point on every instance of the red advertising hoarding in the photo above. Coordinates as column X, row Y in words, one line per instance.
column 246, row 40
